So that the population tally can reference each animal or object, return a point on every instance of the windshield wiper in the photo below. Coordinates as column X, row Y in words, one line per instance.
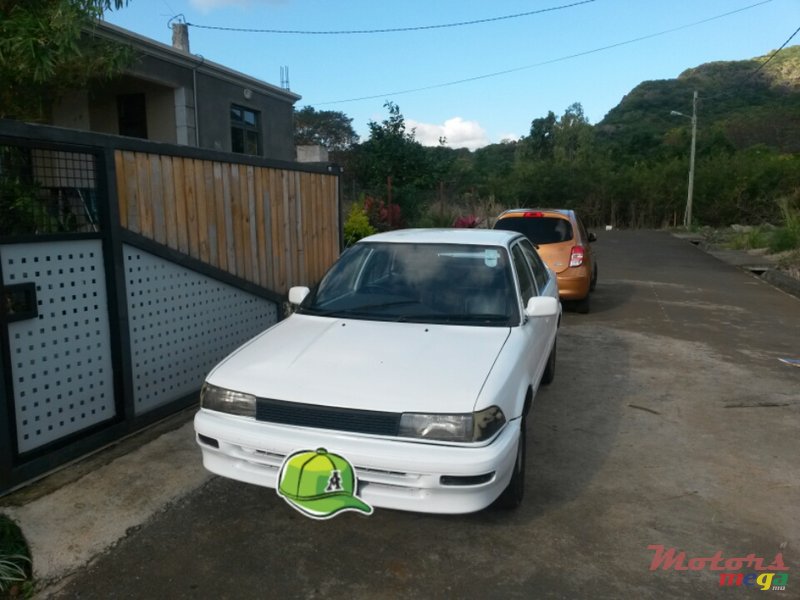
column 493, row 317
column 356, row 310
column 445, row 319
column 378, row 305
column 315, row 312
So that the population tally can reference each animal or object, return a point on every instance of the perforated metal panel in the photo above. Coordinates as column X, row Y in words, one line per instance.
column 181, row 324
column 61, row 365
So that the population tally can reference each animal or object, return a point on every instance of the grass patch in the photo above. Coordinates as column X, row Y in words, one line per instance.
column 757, row 237
column 786, row 237
column 783, row 239
column 16, row 568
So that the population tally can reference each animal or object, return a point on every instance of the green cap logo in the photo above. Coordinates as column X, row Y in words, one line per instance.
column 319, row 484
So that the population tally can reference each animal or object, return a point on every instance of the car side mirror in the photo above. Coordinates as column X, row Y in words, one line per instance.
column 592, row 237
column 542, row 306
column 297, row 294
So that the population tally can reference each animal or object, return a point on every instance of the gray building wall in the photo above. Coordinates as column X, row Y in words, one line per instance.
column 159, row 101
column 215, row 98
column 167, row 78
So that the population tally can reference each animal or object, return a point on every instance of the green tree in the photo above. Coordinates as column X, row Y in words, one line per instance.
column 493, row 170
column 328, row 128
column 392, row 153
column 48, row 47
column 573, row 135
column 541, row 141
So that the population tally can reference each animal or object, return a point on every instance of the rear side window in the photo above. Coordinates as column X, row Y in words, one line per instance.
column 540, row 273
column 526, row 286
column 539, row 230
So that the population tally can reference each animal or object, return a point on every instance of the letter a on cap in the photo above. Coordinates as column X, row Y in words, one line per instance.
column 319, row 484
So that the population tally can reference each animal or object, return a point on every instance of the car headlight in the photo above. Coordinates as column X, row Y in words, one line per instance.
column 469, row 427
column 227, row 401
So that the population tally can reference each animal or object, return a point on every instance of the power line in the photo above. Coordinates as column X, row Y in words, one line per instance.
column 752, row 73
column 393, row 30
column 774, row 54
column 546, row 62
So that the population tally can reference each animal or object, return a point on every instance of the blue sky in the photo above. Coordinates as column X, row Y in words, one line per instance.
column 326, row 69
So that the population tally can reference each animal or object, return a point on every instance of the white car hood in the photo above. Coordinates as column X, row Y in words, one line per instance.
column 370, row 365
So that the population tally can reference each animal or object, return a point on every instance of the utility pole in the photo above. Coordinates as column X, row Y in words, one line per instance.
column 688, row 217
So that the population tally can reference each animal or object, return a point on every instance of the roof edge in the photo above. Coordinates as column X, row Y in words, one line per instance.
column 193, row 61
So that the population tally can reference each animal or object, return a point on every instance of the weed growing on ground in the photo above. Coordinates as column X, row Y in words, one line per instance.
column 756, row 237
column 786, row 237
column 15, row 562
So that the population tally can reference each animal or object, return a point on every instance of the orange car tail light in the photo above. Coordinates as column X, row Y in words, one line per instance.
column 535, row 215
column 576, row 256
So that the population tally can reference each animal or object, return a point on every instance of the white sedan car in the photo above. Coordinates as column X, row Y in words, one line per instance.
column 417, row 357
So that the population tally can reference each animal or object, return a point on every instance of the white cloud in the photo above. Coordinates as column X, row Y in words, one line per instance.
column 458, row 133
column 209, row 5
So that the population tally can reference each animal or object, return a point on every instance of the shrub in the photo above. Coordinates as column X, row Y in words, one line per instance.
column 356, row 226
column 468, row 222
column 15, row 561
column 753, row 238
column 786, row 237
column 383, row 217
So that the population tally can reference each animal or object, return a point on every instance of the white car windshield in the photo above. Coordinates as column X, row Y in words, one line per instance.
column 423, row 283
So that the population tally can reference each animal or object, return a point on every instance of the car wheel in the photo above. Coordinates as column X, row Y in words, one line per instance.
column 582, row 306
column 550, row 370
column 515, row 490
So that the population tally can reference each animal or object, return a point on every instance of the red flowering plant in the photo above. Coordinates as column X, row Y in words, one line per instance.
column 383, row 217
column 467, row 222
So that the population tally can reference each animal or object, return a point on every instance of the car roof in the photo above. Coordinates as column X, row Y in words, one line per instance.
column 564, row 212
column 479, row 237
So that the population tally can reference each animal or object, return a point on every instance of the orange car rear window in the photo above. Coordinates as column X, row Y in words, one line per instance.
column 539, row 230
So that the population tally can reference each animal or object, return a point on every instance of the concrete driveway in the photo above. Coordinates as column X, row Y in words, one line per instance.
column 671, row 422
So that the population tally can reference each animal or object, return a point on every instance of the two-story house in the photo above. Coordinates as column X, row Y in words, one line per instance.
column 170, row 95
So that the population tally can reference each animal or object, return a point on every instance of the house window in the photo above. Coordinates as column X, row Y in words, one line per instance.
column 245, row 130
column 132, row 112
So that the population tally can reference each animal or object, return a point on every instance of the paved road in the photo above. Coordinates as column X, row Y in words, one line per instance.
column 671, row 422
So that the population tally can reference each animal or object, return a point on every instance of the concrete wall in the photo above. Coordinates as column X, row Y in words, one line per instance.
column 72, row 111
column 160, row 104
column 315, row 153
column 171, row 114
column 215, row 97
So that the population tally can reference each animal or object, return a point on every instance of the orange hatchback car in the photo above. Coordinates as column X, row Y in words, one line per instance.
column 563, row 243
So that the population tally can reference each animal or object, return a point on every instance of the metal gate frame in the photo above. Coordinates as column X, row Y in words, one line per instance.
column 16, row 468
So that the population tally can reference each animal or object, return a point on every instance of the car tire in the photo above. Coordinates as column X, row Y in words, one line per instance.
column 515, row 490
column 550, row 369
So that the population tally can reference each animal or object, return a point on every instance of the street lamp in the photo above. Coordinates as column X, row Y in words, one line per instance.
column 687, row 218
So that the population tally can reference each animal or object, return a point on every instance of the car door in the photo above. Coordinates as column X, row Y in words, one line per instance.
column 538, row 332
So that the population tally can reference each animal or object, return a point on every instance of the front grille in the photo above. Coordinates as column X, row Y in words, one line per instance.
column 324, row 417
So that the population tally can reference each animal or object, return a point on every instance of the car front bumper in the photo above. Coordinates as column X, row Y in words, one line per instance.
column 392, row 473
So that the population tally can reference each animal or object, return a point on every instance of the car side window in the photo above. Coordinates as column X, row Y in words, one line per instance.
column 527, row 287
column 540, row 273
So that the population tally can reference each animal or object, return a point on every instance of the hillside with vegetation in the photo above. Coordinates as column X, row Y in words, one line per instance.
column 738, row 105
column 629, row 170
